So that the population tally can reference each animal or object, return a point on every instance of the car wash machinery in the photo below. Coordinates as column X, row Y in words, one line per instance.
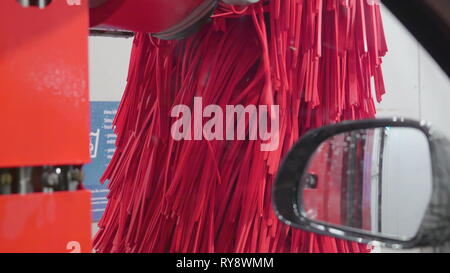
column 44, row 108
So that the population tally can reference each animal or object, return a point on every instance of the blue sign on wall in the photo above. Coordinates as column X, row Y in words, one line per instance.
column 102, row 148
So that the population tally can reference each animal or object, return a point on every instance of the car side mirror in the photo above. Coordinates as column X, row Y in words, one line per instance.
column 384, row 180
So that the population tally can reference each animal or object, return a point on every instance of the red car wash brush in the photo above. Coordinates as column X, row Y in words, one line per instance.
column 313, row 59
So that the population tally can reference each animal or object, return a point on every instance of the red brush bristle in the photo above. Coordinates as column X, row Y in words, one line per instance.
column 315, row 59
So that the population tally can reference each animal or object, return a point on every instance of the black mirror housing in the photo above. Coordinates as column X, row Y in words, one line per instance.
column 434, row 229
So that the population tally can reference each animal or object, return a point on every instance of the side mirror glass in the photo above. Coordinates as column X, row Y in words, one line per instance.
column 373, row 180
column 376, row 180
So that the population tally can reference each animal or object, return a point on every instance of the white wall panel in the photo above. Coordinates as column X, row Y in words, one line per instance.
column 401, row 71
column 108, row 67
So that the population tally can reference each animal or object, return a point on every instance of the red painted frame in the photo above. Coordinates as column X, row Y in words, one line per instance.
column 44, row 98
